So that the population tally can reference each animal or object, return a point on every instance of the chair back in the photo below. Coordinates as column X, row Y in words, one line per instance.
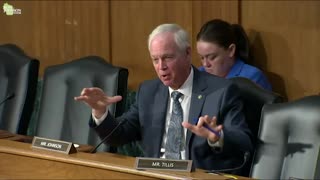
column 18, row 80
column 63, row 118
column 254, row 98
column 289, row 141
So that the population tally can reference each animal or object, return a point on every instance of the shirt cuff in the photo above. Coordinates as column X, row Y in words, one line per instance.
column 98, row 121
column 219, row 143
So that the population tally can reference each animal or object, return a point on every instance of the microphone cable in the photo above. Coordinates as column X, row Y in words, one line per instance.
column 245, row 160
column 106, row 137
column 9, row 96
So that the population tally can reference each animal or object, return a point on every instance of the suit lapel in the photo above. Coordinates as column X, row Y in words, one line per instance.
column 197, row 100
column 161, row 103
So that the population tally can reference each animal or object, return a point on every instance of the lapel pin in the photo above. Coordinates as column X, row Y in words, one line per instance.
column 200, row 96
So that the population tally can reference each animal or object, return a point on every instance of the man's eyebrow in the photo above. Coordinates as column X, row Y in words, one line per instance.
column 162, row 55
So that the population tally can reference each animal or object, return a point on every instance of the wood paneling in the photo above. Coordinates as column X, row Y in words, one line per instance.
column 284, row 34
column 132, row 22
column 34, row 30
column 203, row 11
column 56, row 32
column 91, row 29
column 285, row 37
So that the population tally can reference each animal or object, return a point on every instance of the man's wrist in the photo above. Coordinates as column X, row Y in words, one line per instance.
column 99, row 120
column 98, row 113
column 218, row 143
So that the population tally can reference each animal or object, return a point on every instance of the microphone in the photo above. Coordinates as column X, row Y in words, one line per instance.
column 9, row 96
column 246, row 157
column 106, row 137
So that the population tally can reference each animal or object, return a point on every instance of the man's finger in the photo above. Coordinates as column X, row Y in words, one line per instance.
column 81, row 98
column 115, row 99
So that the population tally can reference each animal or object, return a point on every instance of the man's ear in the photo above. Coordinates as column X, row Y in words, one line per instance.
column 188, row 51
column 232, row 50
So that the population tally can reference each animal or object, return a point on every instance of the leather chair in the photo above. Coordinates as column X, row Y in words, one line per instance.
column 63, row 118
column 289, row 141
column 18, row 84
column 254, row 98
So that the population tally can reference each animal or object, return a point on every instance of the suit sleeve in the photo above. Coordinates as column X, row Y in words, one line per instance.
column 128, row 130
column 237, row 135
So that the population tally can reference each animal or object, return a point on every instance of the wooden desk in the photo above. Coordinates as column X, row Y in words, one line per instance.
column 28, row 139
column 19, row 160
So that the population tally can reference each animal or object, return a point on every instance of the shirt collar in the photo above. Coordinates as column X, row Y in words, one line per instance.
column 186, row 88
column 236, row 68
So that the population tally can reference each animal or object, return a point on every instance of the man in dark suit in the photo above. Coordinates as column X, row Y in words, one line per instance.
column 206, row 100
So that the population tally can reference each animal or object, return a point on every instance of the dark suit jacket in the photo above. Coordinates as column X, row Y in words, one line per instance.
column 211, row 95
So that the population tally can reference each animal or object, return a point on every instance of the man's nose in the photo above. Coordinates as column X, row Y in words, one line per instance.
column 162, row 64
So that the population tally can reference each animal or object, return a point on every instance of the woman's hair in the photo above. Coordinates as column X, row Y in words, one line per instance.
column 224, row 34
column 181, row 37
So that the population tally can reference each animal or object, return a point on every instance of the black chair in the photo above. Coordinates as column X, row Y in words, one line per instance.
column 289, row 141
column 63, row 118
column 18, row 84
column 254, row 98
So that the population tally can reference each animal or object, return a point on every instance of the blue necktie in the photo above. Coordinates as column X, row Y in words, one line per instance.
column 175, row 138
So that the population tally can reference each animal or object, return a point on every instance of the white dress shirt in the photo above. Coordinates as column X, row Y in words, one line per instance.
column 185, row 100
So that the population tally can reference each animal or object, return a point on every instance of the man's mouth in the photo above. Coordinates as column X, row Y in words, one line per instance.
column 165, row 76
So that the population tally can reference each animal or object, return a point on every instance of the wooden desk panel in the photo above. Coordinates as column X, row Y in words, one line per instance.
column 5, row 134
column 19, row 167
column 18, row 160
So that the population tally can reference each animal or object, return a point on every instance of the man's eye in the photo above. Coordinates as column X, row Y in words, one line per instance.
column 169, row 58
column 156, row 60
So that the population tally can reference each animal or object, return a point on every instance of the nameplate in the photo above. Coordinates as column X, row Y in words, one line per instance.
column 53, row 145
column 163, row 164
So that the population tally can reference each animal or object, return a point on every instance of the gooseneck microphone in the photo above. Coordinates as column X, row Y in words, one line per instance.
column 106, row 137
column 246, row 157
column 9, row 96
